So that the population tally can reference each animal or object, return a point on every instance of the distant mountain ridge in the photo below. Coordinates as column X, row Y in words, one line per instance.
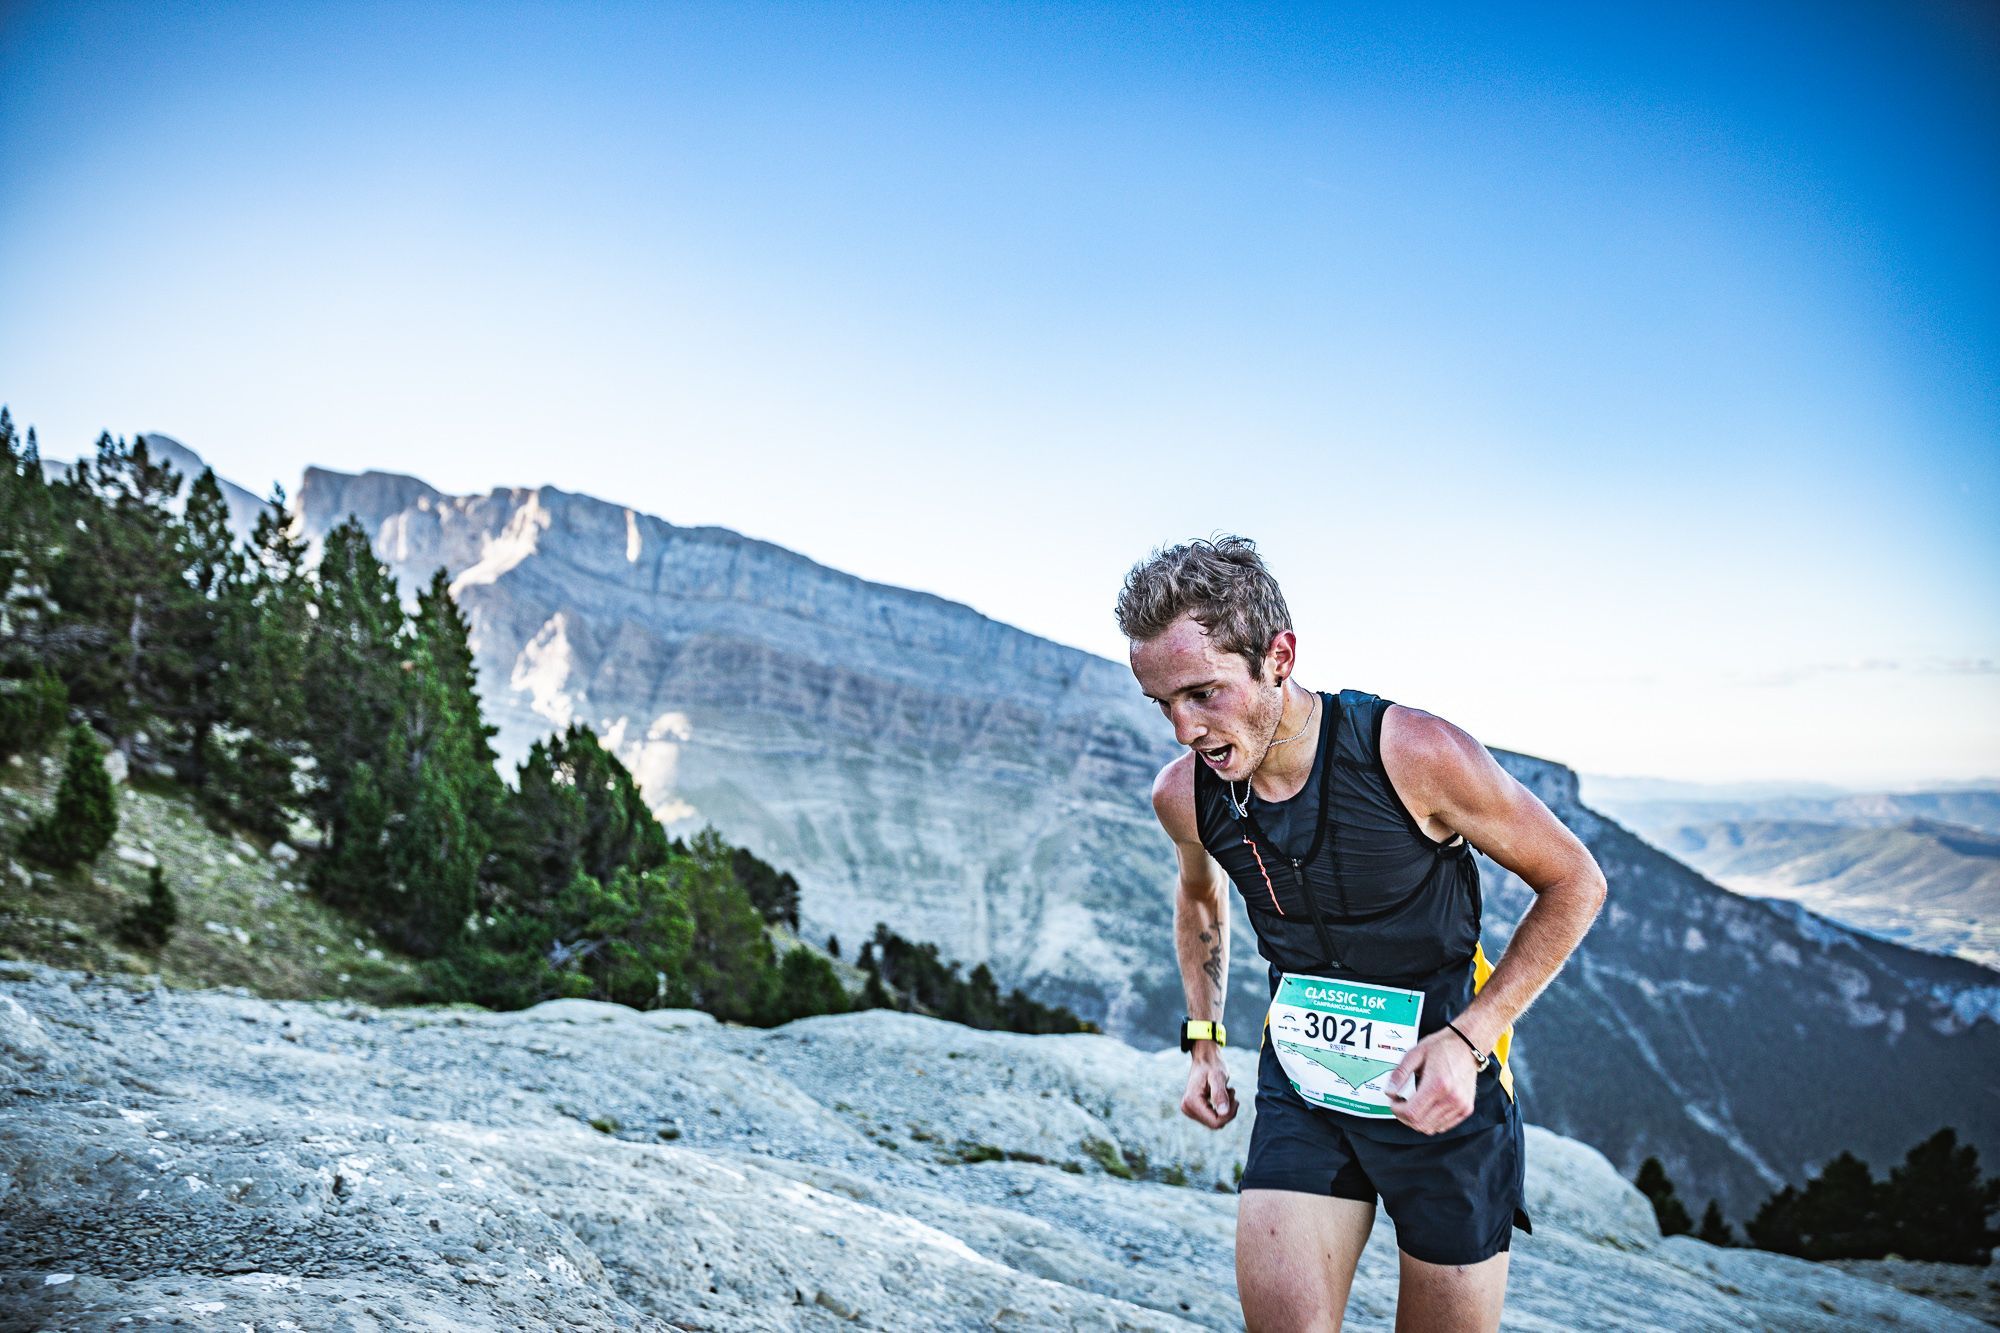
column 1973, row 806
column 1921, row 882
column 915, row 762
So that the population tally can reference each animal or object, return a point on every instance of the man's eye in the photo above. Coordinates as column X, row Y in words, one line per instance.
column 1202, row 694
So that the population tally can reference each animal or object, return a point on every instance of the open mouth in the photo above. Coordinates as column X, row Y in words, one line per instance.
column 1218, row 757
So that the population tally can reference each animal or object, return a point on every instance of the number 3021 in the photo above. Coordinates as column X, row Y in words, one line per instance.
column 1340, row 1031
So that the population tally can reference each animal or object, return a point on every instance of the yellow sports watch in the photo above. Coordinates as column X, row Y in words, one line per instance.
column 1200, row 1029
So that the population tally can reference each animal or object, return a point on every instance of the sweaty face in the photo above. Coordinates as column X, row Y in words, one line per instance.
column 1217, row 710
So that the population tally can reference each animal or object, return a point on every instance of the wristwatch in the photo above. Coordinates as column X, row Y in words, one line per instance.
column 1201, row 1029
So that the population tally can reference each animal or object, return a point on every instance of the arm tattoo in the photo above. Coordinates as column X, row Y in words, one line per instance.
column 1213, row 967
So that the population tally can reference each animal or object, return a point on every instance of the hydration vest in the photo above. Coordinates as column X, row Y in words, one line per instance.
column 1369, row 895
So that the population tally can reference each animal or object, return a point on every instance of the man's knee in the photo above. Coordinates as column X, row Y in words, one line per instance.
column 1295, row 1258
column 1450, row 1296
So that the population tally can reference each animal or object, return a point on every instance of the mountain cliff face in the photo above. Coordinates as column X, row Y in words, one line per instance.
column 910, row 760
column 914, row 762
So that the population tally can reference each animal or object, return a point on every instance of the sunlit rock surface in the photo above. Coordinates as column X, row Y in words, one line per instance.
column 227, row 1162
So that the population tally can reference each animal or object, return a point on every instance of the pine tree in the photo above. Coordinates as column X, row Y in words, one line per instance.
column 1839, row 1214
column 433, row 852
column 354, row 868
column 31, row 711
column 458, row 738
column 626, row 942
column 354, row 669
column 577, row 808
column 1672, row 1214
column 1713, row 1228
column 806, row 985
column 438, row 778
column 443, row 628
column 981, row 1006
column 204, row 627
column 730, row 966
column 775, row 893
column 1939, row 1204
column 1775, row 1225
column 117, row 583
column 27, row 537
column 150, row 924
column 85, row 814
column 253, row 766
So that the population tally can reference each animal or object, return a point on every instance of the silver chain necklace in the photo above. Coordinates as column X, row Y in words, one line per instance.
column 1242, row 807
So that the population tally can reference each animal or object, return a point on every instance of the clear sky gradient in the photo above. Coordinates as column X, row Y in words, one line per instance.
column 1621, row 382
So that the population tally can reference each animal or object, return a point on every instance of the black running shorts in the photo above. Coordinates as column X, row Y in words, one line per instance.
column 1455, row 1197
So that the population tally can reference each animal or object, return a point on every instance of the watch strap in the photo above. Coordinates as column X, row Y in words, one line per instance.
column 1201, row 1029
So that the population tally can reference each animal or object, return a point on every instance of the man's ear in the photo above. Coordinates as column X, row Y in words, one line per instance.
column 1282, row 656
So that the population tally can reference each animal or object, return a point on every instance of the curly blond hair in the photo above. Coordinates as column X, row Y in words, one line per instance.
column 1222, row 583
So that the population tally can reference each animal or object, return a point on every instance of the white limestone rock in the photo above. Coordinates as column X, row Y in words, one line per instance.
column 227, row 1160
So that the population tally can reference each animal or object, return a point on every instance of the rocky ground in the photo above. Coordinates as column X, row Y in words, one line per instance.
column 1961, row 1286
column 213, row 1160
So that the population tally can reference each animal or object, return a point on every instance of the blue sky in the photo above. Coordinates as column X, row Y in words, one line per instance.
column 1621, row 382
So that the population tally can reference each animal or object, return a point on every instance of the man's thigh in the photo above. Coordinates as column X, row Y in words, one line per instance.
column 1451, row 1298
column 1295, row 1258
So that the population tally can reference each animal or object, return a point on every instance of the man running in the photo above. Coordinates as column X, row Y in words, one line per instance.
column 1347, row 822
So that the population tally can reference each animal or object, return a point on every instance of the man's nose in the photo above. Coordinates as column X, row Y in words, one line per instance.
column 1186, row 730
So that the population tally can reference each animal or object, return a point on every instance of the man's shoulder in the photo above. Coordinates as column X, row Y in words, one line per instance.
column 1427, row 758
column 1420, row 740
column 1173, row 798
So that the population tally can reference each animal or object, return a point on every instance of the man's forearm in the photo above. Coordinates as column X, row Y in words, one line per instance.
column 1548, row 933
column 1201, row 938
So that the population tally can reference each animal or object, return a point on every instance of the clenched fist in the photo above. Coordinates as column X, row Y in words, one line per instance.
column 1208, row 1098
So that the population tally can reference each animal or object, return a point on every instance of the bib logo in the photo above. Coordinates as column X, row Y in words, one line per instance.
column 1345, row 997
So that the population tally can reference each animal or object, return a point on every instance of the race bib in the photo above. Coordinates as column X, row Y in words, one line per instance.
column 1338, row 1040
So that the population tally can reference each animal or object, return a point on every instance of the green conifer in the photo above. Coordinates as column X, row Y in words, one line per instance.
column 577, row 808
column 1713, row 1228
column 1840, row 1215
column 731, row 970
column 116, row 579
column 1939, row 1205
column 354, row 869
column 28, row 527
column 203, row 626
column 433, row 850
column 1670, row 1211
column 253, row 765
column 31, row 711
column 355, row 664
column 806, row 985
column 85, row 814
column 774, row 892
column 150, row 924
column 1775, row 1225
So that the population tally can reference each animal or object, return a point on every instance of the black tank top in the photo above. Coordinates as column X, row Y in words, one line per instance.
column 1339, row 880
